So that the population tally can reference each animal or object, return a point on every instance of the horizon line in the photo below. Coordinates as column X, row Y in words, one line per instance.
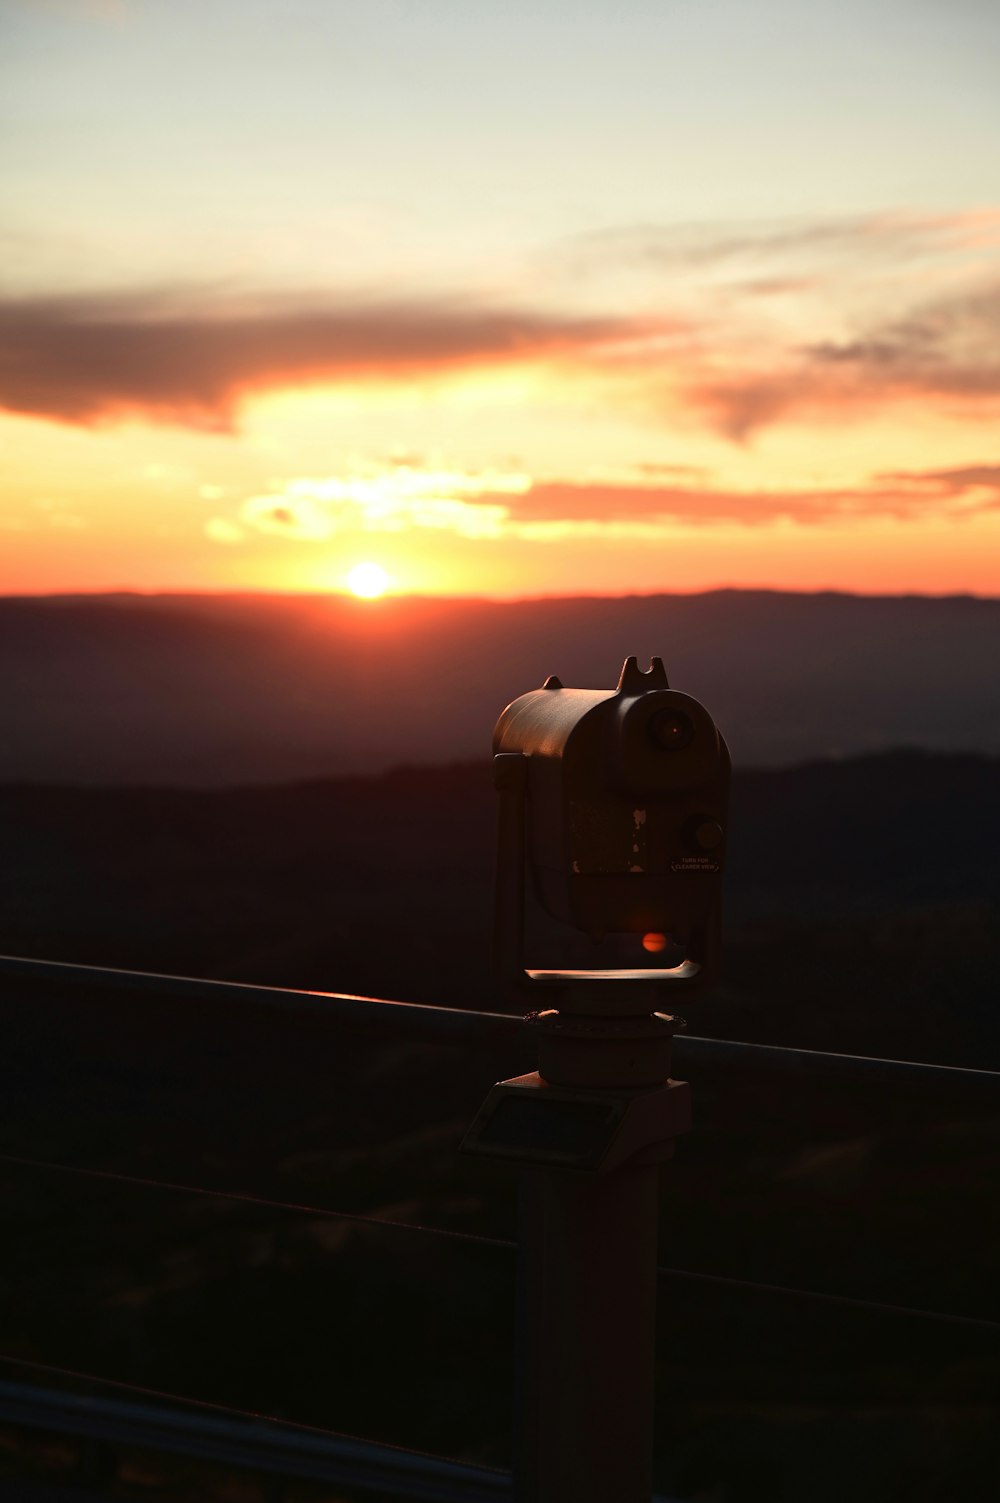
column 406, row 597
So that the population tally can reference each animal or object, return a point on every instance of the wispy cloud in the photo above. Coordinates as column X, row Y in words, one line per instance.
column 946, row 349
column 959, row 491
column 949, row 482
column 817, row 321
column 793, row 251
column 902, row 497
column 945, row 345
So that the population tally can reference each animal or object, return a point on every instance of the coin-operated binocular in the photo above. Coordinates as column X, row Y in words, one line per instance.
column 612, row 826
column 613, row 820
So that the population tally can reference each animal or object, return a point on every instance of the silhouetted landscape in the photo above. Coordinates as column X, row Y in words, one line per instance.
column 860, row 908
column 365, row 367
column 209, row 691
column 862, row 904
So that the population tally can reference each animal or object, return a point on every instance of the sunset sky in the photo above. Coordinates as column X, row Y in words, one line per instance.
column 507, row 298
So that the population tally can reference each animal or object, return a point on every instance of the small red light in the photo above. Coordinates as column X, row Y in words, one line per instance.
column 654, row 943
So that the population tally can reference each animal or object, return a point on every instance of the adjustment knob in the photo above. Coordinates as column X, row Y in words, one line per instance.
column 704, row 832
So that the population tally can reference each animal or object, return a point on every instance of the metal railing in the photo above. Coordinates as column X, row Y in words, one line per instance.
column 233, row 1437
column 220, row 1433
column 454, row 1025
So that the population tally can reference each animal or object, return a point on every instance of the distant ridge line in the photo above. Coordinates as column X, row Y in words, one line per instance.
column 235, row 690
column 711, row 591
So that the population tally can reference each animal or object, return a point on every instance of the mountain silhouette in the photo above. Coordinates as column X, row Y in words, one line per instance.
column 211, row 691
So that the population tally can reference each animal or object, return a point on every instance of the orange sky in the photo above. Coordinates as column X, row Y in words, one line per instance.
column 755, row 343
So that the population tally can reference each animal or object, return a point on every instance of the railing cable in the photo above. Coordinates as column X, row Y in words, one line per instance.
column 240, row 1437
column 819, row 1296
column 664, row 1271
column 76, row 1375
column 252, row 1200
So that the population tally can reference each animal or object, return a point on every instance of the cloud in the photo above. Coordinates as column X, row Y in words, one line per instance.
column 739, row 406
column 947, row 346
column 950, row 481
column 740, row 330
column 816, row 321
column 792, row 251
column 562, row 501
column 85, row 359
column 289, row 516
column 947, row 349
column 391, row 498
column 494, row 505
column 973, row 487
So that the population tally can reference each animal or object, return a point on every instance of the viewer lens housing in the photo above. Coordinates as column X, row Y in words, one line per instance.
column 671, row 730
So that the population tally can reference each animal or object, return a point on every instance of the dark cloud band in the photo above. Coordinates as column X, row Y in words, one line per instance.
column 91, row 359
column 87, row 359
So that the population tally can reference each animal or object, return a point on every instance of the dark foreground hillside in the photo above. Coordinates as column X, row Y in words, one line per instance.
column 861, row 897
column 862, row 915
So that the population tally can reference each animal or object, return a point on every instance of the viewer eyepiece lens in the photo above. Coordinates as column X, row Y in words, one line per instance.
column 671, row 729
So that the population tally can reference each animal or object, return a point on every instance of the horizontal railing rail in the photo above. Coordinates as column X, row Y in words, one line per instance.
column 238, row 1438
column 459, row 1025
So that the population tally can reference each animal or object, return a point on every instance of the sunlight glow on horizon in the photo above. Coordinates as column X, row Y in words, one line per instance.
column 368, row 581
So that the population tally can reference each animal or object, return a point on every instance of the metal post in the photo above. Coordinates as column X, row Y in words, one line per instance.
column 588, row 1132
column 586, row 1331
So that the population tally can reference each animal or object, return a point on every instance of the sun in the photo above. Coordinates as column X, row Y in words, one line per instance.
column 368, row 581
